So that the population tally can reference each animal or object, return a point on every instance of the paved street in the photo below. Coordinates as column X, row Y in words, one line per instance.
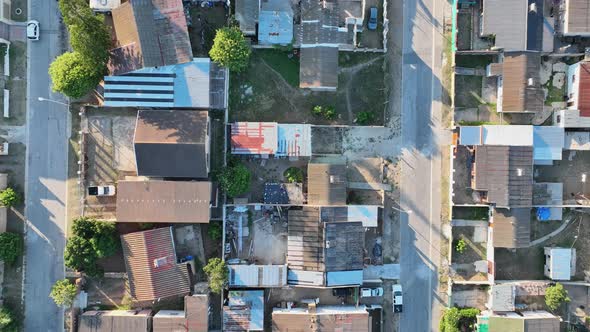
column 46, row 173
column 421, row 89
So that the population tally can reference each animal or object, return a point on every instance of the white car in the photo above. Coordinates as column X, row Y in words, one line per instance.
column 369, row 292
column 101, row 191
column 33, row 30
column 397, row 298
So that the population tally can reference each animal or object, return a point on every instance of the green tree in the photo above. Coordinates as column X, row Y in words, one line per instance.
column 8, row 320
column 79, row 254
column 11, row 247
column 216, row 271
column 102, row 235
column 365, row 117
column 234, row 179
column 74, row 75
column 230, row 49
column 555, row 296
column 63, row 293
column 75, row 11
column 92, row 40
column 457, row 320
column 293, row 175
column 9, row 197
column 214, row 231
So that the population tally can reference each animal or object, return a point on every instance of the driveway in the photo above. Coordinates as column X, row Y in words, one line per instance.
column 46, row 171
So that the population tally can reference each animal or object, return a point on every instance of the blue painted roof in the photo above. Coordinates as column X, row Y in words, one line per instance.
column 275, row 27
column 548, row 142
column 470, row 135
column 342, row 278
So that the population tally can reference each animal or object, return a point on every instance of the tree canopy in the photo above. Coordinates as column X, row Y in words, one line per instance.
column 11, row 247
column 9, row 197
column 230, row 49
column 234, row 179
column 457, row 320
column 63, row 293
column 74, row 75
column 216, row 271
column 555, row 296
column 9, row 321
column 91, row 239
column 92, row 40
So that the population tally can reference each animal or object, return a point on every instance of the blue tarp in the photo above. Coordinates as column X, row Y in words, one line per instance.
column 543, row 213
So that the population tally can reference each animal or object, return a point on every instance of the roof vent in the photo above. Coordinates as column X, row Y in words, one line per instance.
column 530, row 81
column 519, row 171
column 533, row 7
column 158, row 262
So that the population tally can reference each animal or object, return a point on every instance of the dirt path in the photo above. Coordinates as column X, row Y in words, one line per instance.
column 286, row 89
column 354, row 69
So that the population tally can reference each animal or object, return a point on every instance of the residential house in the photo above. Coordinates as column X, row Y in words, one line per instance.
column 149, row 33
column 275, row 22
column 560, row 263
column 158, row 201
column 271, row 138
column 257, row 276
column 115, row 320
column 172, row 144
column 519, row 82
column 326, row 183
column 577, row 114
column 153, row 268
column 194, row 318
column 322, row 319
column 326, row 28
column 525, row 321
column 324, row 254
column 244, row 311
column 575, row 18
column 515, row 25
column 197, row 83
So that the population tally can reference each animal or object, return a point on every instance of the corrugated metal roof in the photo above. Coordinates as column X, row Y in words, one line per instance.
column 343, row 278
column 169, row 320
column 560, row 263
column 507, row 20
column 502, row 297
column 196, row 308
column 158, row 201
column 254, row 137
column 577, row 17
column 115, row 320
column 470, row 135
column 261, row 276
column 577, row 140
column 294, row 140
column 305, row 278
column 183, row 85
column 367, row 214
column 151, row 264
column 305, row 246
column 323, row 319
column 326, row 184
column 512, row 228
column 247, row 15
column 513, row 135
column 521, row 83
column 584, row 89
column 344, row 246
column 275, row 22
column 548, row 142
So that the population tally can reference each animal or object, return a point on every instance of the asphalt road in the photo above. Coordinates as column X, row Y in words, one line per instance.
column 421, row 143
column 46, row 171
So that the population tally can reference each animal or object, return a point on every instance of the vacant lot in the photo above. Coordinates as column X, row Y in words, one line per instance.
column 268, row 90
column 468, row 91
column 204, row 21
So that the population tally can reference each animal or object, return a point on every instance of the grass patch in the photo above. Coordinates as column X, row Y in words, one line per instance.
column 468, row 91
column 475, row 123
column 554, row 94
column 18, row 59
column 285, row 63
column 474, row 61
column 351, row 59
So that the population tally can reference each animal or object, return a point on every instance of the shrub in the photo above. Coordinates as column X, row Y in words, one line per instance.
column 293, row 175
column 9, row 197
column 11, row 247
column 461, row 246
column 74, row 75
column 234, row 179
column 317, row 110
column 365, row 117
column 457, row 320
column 9, row 322
column 214, row 231
column 230, row 49
column 63, row 293
column 328, row 112
column 555, row 296
column 216, row 271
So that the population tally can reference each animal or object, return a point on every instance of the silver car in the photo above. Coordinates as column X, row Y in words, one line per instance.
column 33, row 30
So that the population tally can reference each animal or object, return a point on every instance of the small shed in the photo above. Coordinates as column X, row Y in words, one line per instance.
column 560, row 263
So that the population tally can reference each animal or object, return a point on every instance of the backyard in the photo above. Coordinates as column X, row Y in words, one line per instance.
column 204, row 21
column 268, row 90
column 469, row 247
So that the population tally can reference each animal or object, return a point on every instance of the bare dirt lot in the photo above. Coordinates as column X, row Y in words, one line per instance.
column 527, row 263
column 268, row 90
column 475, row 240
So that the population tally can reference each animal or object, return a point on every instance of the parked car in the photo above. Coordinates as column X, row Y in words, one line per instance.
column 397, row 298
column 33, row 30
column 372, row 23
column 101, row 190
column 370, row 292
